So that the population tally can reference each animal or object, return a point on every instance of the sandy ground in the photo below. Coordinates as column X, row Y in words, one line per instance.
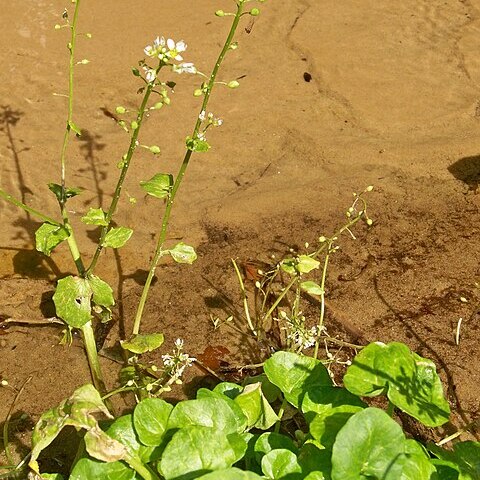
column 392, row 100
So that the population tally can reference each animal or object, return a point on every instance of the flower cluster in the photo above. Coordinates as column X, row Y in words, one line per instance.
column 176, row 363
column 167, row 52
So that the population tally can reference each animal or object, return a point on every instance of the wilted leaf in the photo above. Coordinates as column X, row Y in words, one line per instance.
column 182, row 253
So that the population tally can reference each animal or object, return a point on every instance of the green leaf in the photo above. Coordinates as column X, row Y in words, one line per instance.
column 102, row 292
column 197, row 450
column 281, row 463
column 411, row 382
column 117, row 237
column 417, row 390
column 72, row 301
column 465, row 457
column 315, row 462
column 271, row 391
column 160, row 185
column 269, row 441
column 295, row 374
column 122, row 429
column 230, row 390
column 256, row 408
column 288, row 265
column 95, row 216
column 197, row 145
column 367, row 446
column 312, row 288
column 230, row 474
column 87, row 468
column 143, row 343
column 212, row 412
column 326, row 410
column 306, row 264
column 363, row 378
column 416, row 464
column 238, row 412
column 69, row 192
column 48, row 236
column 78, row 410
column 74, row 127
column 150, row 419
column 182, row 253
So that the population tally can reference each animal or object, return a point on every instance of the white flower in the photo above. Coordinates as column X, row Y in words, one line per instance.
column 156, row 48
column 179, row 343
column 186, row 67
column 174, row 49
column 202, row 115
column 150, row 74
column 168, row 360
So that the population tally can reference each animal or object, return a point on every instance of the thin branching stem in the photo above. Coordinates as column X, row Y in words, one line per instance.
column 159, row 252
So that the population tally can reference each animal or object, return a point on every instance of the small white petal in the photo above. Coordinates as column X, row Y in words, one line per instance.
column 170, row 44
column 180, row 46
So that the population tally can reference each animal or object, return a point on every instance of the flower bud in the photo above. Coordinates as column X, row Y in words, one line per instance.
column 369, row 188
column 369, row 222
column 155, row 149
column 198, row 92
column 220, row 13
column 233, row 84
column 134, row 125
column 121, row 110
column 254, row 12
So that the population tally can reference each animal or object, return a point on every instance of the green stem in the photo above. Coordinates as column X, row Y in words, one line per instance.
column 143, row 470
column 181, row 173
column 95, row 369
column 245, row 303
column 390, row 408
column 280, row 298
column 123, row 174
column 280, row 415
column 28, row 209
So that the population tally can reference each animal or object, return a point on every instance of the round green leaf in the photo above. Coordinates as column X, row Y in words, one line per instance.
column 197, row 450
column 306, row 264
column 122, row 429
column 230, row 474
column 368, row 446
column 281, row 463
column 294, row 374
column 312, row 288
column 256, row 408
column 159, row 185
column 102, row 292
column 143, row 343
column 90, row 468
column 326, row 410
column 209, row 411
column 182, row 253
column 150, row 419
column 269, row 441
column 117, row 237
column 48, row 236
column 72, row 301
column 363, row 377
column 95, row 216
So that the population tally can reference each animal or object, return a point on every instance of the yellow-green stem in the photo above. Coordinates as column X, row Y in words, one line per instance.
column 123, row 174
column 181, row 173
